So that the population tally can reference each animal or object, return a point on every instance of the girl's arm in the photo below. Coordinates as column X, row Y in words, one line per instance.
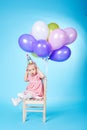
column 26, row 76
column 40, row 73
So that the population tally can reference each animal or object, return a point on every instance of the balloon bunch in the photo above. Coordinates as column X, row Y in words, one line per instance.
column 48, row 41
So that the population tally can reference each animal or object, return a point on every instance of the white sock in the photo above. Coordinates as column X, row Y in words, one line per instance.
column 28, row 95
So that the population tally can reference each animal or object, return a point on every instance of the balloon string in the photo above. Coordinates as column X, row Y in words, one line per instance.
column 27, row 58
column 46, row 67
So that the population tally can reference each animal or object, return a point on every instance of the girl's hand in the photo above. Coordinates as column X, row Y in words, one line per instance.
column 40, row 73
column 27, row 69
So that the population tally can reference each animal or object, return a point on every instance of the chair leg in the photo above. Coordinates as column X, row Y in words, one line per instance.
column 24, row 111
column 44, row 113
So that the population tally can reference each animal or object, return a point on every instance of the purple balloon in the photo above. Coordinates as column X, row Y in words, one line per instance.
column 26, row 42
column 61, row 54
column 42, row 48
column 71, row 35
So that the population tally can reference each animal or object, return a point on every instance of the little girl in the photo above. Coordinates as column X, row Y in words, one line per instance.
column 35, row 87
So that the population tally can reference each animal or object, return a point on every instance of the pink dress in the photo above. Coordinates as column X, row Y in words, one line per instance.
column 35, row 86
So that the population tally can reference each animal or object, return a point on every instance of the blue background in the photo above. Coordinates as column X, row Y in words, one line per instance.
column 67, row 81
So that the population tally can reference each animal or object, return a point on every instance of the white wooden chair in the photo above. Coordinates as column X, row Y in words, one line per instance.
column 35, row 105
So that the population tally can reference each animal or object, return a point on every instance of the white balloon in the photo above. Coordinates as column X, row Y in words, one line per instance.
column 40, row 30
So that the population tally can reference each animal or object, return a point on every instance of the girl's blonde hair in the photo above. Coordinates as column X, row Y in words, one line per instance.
column 32, row 63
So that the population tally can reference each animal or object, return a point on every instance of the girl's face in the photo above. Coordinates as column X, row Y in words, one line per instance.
column 32, row 69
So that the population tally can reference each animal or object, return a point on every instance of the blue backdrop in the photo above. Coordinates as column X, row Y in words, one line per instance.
column 67, row 81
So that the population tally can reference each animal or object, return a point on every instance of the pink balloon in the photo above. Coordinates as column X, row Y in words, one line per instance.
column 57, row 38
column 71, row 35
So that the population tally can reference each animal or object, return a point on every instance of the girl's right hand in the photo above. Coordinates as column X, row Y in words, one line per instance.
column 27, row 69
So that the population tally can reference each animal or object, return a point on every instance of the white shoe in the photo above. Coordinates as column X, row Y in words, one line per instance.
column 14, row 101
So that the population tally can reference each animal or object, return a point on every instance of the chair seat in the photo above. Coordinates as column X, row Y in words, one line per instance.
column 34, row 101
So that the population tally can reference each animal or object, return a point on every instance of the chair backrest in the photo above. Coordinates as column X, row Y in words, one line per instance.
column 45, row 89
